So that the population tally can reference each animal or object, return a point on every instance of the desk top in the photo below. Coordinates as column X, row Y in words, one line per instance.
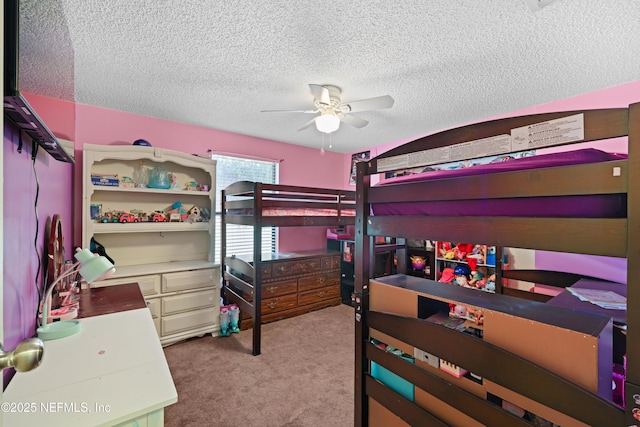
column 112, row 371
column 110, row 299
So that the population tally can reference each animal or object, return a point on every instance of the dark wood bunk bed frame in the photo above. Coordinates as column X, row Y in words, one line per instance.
column 243, row 203
column 612, row 237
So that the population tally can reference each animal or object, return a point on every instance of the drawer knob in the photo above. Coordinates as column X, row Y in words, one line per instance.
column 272, row 304
column 321, row 294
column 271, row 289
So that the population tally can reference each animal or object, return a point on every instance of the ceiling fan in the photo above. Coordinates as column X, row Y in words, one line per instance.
column 333, row 111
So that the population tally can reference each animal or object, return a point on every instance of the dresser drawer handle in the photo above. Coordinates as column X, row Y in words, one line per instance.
column 272, row 304
column 272, row 289
column 320, row 294
column 321, row 280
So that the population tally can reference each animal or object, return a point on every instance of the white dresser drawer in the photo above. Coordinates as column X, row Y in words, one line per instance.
column 190, row 301
column 193, row 279
column 192, row 319
column 154, row 307
column 149, row 285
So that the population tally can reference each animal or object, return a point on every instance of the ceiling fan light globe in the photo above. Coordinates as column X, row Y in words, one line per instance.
column 327, row 123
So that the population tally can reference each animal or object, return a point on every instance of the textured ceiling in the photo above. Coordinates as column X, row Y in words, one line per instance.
column 218, row 64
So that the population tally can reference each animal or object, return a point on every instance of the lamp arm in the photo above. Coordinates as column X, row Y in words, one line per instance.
column 47, row 296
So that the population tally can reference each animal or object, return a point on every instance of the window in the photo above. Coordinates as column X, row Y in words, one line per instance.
column 240, row 237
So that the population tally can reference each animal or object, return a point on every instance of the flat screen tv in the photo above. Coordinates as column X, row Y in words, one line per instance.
column 16, row 108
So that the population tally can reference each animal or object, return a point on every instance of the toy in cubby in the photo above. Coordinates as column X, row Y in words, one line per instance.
column 452, row 369
column 460, row 311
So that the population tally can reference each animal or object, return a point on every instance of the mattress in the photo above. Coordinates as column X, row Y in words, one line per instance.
column 577, row 206
column 295, row 212
column 306, row 212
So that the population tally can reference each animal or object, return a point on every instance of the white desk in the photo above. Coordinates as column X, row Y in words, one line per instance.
column 112, row 372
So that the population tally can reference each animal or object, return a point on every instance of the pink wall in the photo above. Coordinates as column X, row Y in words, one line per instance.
column 23, row 233
column 614, row 269
column 102, row 126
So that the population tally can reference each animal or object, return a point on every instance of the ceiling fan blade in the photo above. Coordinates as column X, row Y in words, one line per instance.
column 354, row 121
column 376, row 103
column 309, row 123
column 290, row 111
column 320, row 93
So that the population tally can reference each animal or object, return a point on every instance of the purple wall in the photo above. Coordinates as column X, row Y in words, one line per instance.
column 23, row 233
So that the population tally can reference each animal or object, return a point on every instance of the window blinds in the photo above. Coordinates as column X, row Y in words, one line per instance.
column 232, row 169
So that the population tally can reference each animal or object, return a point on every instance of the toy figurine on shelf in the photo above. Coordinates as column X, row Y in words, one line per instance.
column 461, row 274
column 491, row 255
column 447, row 275
column 462, row 249
column 444, row 248
column 491, row 284
column 418, row 263
column 479, row 278
column 173, row 178
column 475, row 257
column 192, row 186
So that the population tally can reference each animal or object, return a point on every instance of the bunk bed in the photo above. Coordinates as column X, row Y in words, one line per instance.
column 526, row 364
column 259, row 205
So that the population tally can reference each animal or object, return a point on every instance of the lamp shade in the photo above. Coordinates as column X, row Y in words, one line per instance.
column 93, row 267
column 328, row 123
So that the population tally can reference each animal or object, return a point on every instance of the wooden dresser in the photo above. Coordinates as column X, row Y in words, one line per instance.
column 295, row 283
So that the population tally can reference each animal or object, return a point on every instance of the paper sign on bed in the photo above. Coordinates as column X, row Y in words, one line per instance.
column 465, row 150
column 602, row 298
column 545, row 134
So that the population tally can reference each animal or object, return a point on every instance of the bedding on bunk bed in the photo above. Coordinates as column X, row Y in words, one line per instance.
column 296, row 212
column 578, row 206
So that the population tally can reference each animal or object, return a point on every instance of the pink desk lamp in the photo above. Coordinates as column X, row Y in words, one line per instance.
column 91, row 267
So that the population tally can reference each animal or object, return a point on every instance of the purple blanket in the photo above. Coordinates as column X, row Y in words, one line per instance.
column 584, row 206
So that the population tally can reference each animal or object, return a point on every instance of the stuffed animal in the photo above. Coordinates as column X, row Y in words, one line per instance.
column 462, row 249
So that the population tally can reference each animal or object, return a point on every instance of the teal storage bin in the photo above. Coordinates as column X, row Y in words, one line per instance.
column 393, row 381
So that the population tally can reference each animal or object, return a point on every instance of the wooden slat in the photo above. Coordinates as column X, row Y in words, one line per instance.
column 401, row 406
column 607, row 237
column 551, row 278
column 240, row 265
column 289, row 221
column 245, row 204
column 240, row 219
column 328, row 203
column 498, row 365
column 244, row 305
column 310, row 190
column 306, row 196
column 531, row 296
column 239, row 188
column 475, row 407
column 290, row 204
column 237, row 282
column 594, row 178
